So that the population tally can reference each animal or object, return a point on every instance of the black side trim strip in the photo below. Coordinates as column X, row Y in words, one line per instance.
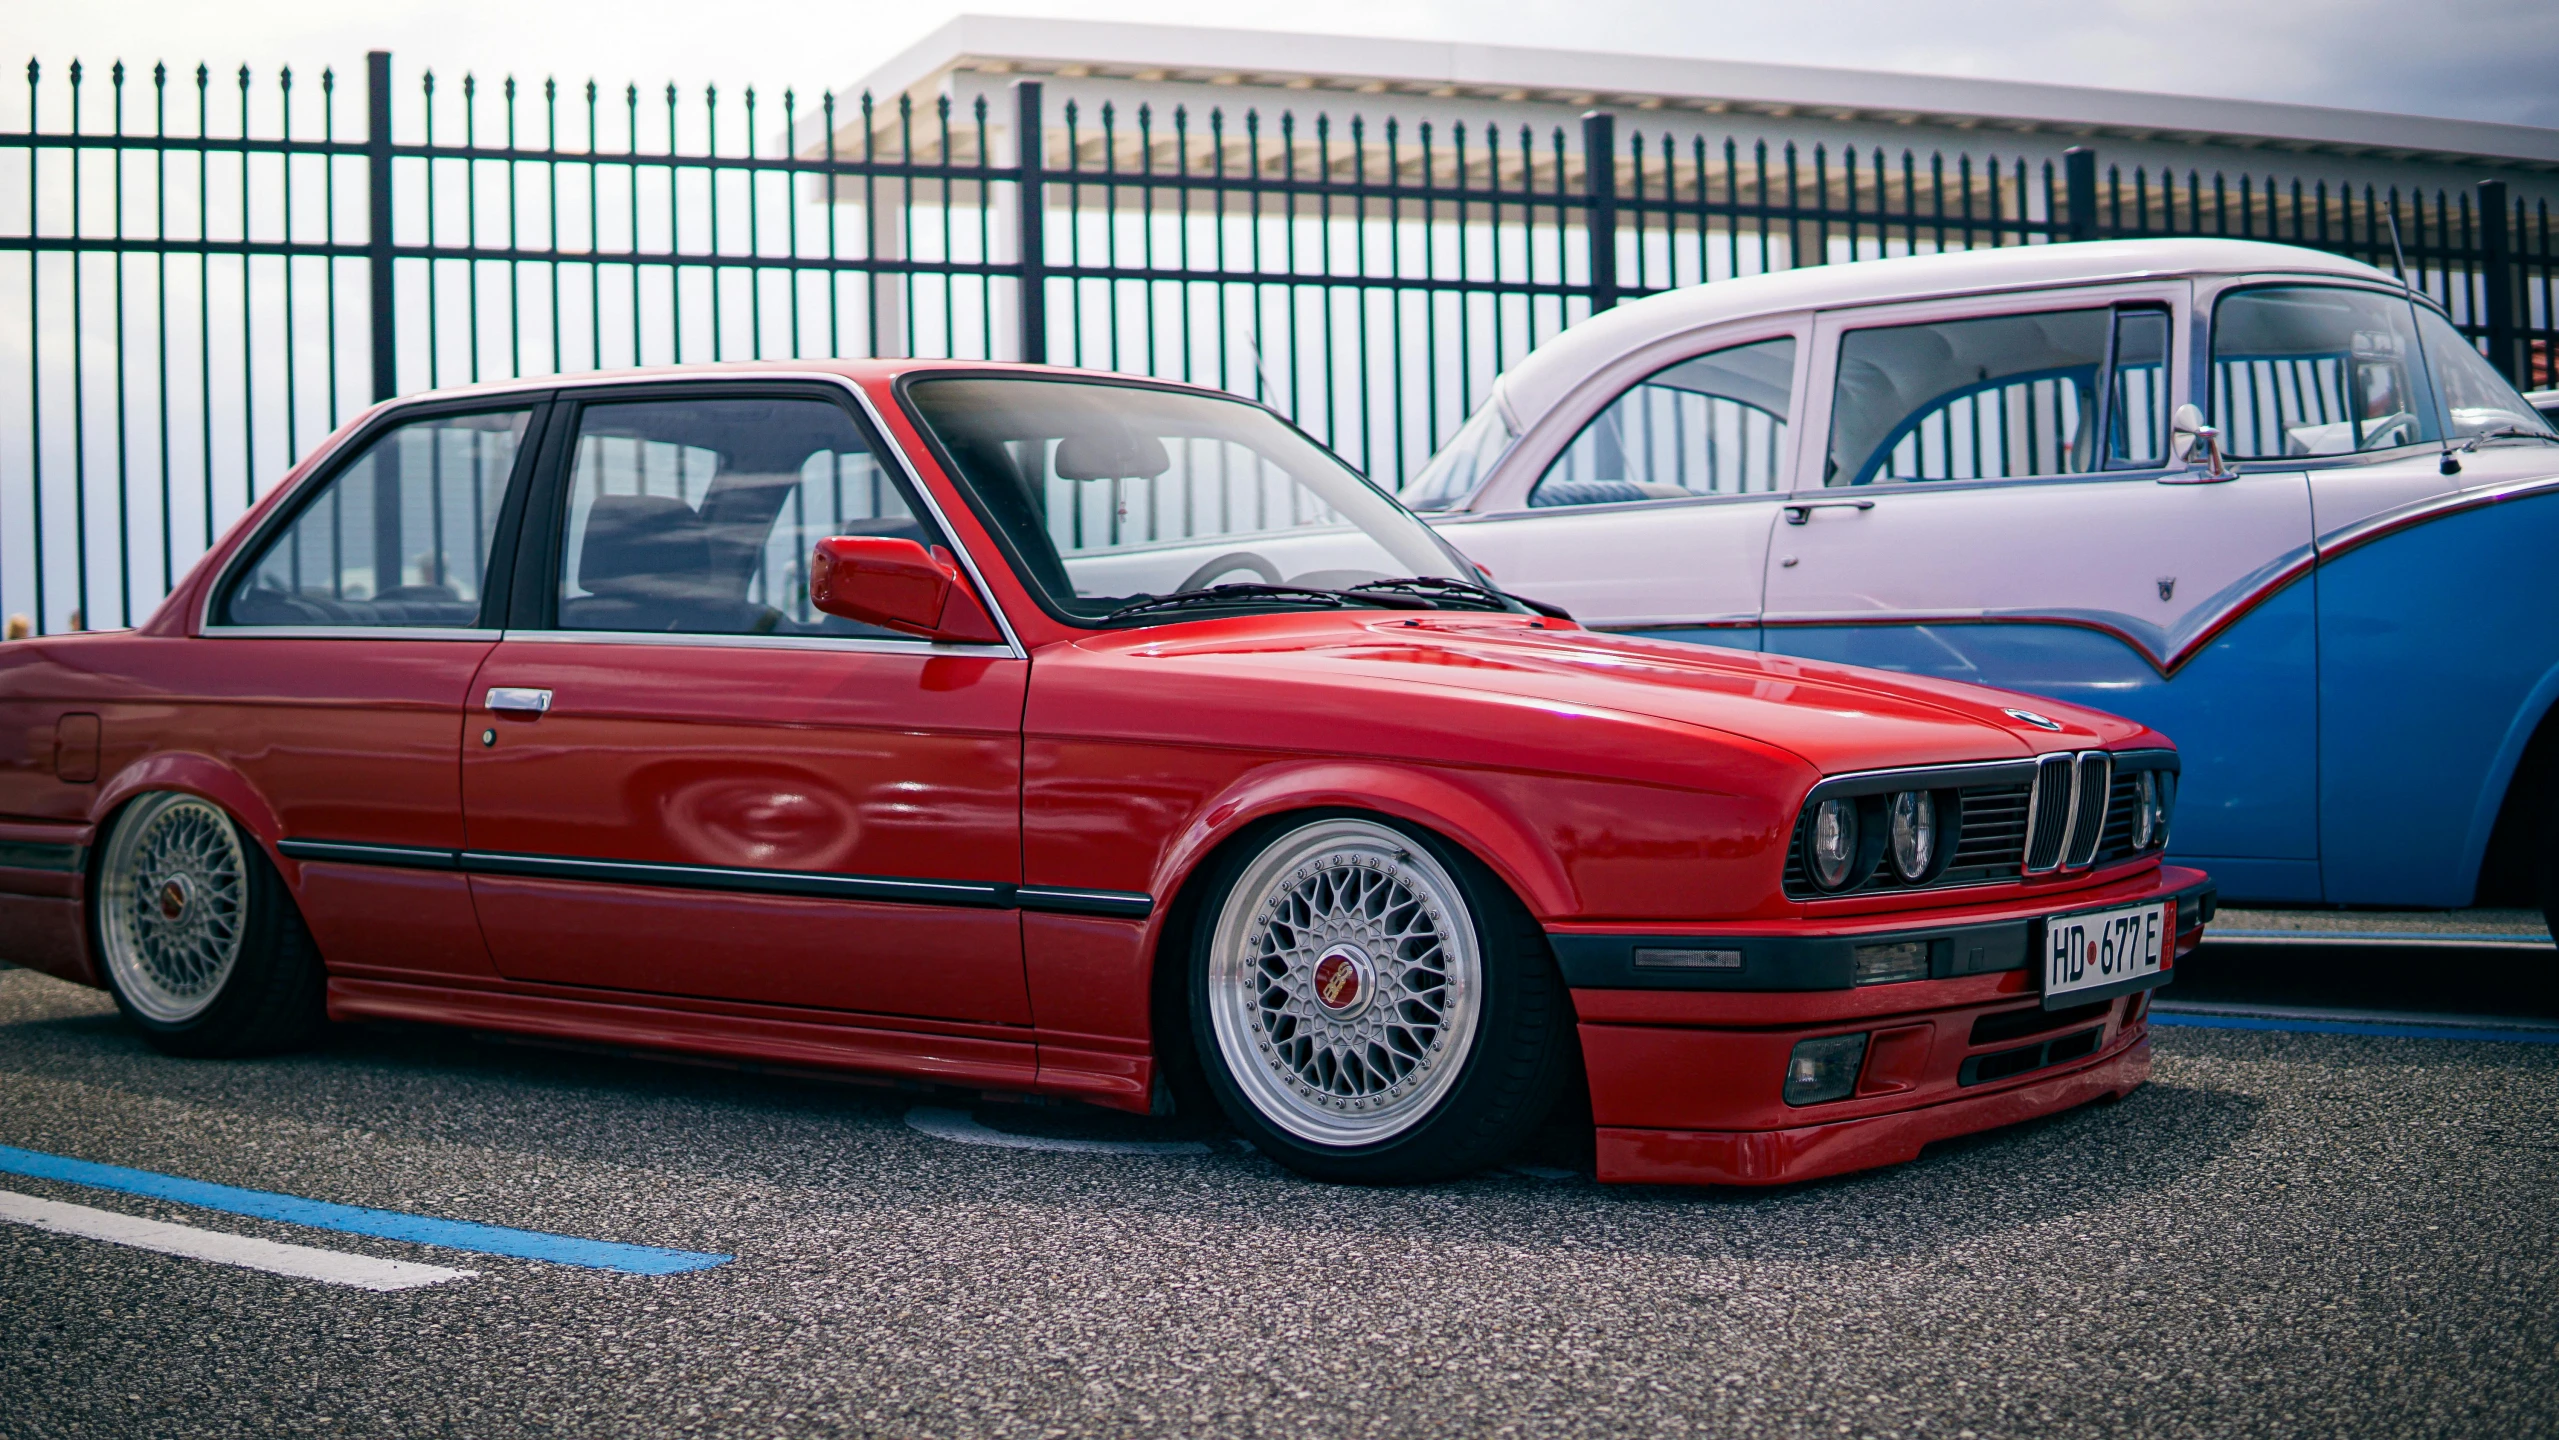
column 354, row 853
column 758, row 882
column 1120, row 904
column 61, row 856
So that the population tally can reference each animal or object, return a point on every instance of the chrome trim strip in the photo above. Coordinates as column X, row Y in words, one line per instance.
column 352, row 852
column 2433, row 507
column 2083, row 825
column 863, row 644
column 718, row 877
column 975, row 894
column 1934, row 777
column 1123, row 904
column 344, row 632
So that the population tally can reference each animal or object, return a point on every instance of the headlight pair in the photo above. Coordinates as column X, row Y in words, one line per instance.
column 1836, row 851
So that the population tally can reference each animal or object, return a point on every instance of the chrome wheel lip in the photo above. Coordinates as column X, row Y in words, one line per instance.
column 172, row 905
column 1380, row 1021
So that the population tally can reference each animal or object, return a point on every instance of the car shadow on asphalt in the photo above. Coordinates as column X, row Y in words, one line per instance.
column 752, row 1126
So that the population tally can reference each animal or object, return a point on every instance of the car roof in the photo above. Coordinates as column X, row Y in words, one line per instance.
column 860, row 371
column 1553, row 370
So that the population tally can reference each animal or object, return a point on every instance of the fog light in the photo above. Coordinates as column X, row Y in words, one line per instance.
column 1884, row 964
column 1824, row 1069
column 1833, row 843
column 1914, row 815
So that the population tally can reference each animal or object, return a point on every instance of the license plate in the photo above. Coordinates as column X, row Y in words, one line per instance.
column 2103, row 952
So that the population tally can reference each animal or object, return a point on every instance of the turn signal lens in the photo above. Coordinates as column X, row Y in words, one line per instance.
column 1824, row 1069
column 2145, row 816
column 1914, row 815
column 1834, row 843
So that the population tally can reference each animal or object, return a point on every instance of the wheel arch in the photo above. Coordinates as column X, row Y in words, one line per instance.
column 1261, row 805
column 2502, row 829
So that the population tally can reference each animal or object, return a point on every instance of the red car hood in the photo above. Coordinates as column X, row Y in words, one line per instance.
column 1835, row 717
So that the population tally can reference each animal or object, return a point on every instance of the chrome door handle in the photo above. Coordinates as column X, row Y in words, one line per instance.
column 1802, row 510
column 516, row 700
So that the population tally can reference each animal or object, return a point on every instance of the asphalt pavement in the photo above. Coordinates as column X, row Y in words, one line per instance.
column 2283, row 1234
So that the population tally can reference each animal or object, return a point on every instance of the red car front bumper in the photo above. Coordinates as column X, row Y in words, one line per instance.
column 1687, row 1085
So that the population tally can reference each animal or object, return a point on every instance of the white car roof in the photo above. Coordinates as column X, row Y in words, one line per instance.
column 1551, row 371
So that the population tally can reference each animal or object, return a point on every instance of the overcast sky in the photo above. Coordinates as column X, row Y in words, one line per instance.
column 2472, row 59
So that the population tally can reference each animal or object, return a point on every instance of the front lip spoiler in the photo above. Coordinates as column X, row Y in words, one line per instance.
column 1814, row 957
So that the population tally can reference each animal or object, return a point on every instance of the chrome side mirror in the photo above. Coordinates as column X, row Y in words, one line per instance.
column 2186, row 431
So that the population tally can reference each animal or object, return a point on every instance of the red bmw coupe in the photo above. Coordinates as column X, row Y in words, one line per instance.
column 1037, row 731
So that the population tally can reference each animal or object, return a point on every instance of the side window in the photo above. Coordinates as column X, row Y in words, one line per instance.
column 2003, row 396
column 1714, row 425
column 2300, row 370
column 399, row 537
column 697, row 516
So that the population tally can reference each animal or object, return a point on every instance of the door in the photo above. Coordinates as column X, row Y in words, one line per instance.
column 333, row 668
column 1995, row 501
column 1654, row 514
column 680, row 779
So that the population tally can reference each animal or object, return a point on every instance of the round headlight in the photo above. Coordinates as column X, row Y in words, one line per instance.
column 2145, row 816
column 1834, row 842
column 1914, row 815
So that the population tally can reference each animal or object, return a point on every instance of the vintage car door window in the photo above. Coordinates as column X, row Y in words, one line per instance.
column 697, row 516
column 1994, row 397
column 1712, row 425
column 398, row 537
column 719, row 794
column 2308, row 370
column 2099, row 584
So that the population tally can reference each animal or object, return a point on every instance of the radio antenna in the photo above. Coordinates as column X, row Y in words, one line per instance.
column 2450, row 464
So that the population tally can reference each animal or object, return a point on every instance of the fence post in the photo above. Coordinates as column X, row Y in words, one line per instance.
column 377, row 243
column 2497, row 262
column 2079, row 188
column 1030, row 152
column 1599, row 190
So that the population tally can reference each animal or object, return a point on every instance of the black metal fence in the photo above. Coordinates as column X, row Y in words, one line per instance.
column 216, row 272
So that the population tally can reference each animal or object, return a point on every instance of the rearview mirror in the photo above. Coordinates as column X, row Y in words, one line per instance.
column 2186, row 430
column 899, row 585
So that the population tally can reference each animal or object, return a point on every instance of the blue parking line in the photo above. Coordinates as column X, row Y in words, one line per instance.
column 356, row 1220
column 2355, row 1027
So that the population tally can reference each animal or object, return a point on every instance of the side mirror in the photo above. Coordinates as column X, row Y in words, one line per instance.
column 899, row 585
column 2186, row 430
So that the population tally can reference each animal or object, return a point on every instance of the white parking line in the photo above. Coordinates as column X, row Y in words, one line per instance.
column 960, row 1126
column 333, row 1266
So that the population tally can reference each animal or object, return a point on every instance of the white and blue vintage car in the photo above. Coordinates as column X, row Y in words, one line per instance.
column 2253, row 495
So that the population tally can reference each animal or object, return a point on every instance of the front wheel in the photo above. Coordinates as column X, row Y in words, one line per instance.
column 203, row 948
column 1372, row 1005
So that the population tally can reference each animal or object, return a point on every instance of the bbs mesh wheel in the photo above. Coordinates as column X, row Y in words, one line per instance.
column 200, row 942
column 1371, row 1004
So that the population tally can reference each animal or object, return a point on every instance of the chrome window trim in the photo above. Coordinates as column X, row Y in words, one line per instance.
column 574, row 390
column 345, row 632
column 860, row 644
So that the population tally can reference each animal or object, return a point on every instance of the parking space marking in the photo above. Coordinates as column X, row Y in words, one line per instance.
column 335, row 1267
column 357, row 1220
column 2303, row 1025
column 963, row 1128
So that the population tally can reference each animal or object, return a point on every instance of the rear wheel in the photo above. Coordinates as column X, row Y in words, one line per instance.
column 203, row 948
column 1373, row 1006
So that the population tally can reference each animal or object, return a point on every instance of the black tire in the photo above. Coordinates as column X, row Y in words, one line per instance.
column 1519, row 1047
column 197, row 937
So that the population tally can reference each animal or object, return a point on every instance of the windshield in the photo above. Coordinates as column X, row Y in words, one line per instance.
column 1110, row 496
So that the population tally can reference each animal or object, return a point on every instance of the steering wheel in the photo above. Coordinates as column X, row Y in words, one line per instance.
column 2399, row 429
column 1231, row 560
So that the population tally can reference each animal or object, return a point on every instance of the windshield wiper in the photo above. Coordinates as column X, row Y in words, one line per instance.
column 1435, row 587
column 2510, row 432
column 1248, row 593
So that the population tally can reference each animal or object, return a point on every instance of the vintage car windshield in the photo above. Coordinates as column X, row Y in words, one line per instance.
column 1115, row 498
